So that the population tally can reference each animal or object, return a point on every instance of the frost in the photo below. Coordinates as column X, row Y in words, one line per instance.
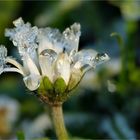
column 3, row 55
column 23, row 36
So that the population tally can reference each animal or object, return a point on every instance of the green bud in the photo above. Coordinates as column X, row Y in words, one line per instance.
column 60, row 86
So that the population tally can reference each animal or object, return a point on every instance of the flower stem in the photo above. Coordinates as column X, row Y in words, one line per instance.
column 57, row 115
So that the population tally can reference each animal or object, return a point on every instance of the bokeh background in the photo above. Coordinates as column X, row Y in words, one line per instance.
column 106, row 104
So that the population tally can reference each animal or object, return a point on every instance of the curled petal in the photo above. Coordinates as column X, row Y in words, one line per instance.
column 32, row 81
column 16, row 64
column 83, row 58
column 88, row 59
column 29, row 65
column 11, row 69
column 84, row 55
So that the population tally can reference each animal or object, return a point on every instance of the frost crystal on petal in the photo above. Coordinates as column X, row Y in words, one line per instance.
column 87, row 59
column 71, row 36
column 49, row 38
column 83, row 58
column 3, row 55
column 23, row 36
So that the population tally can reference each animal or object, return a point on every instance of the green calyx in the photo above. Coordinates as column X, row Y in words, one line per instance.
column 60, row 86
column 55, row 92
column 58, row 91
column 76, row 76
column 46, row 86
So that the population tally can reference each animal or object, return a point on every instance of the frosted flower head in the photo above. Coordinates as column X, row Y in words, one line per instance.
column 52, row 63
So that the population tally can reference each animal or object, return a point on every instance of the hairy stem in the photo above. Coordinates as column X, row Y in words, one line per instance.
column 58, row 120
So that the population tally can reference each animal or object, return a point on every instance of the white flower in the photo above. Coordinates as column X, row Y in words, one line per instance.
column 48, row 53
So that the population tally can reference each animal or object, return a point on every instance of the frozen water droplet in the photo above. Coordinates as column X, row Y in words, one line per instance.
column 100, row 58
column 51, row 53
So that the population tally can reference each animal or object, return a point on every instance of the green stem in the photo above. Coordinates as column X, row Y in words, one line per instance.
column 57, row 115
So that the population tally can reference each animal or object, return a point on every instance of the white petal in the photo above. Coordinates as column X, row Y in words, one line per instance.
column 46, row 67
column 71, row 36
column 29, row 65
column 13, row 70
column 16, row 64
column 87, row 59
column 44, row 44
column 32, row 81
column 46, row 60
column 83, row 58
column 49, row 38
column 85, row 55
column 62, row 67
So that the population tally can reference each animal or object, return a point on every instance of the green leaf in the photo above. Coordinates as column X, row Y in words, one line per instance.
column 20, row 135
column 60, row 86
column 119, row 39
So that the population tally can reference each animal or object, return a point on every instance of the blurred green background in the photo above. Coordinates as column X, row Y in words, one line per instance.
column 106, row 104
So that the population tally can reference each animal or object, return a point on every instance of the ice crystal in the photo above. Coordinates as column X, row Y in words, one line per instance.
column 23, row 36
column 3, row 54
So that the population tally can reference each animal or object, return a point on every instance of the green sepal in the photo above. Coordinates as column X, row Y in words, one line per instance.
column 76, row 76
column 46, row 86
column 41, row 89
column 60, row 86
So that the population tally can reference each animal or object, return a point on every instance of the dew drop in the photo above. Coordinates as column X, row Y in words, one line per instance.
column 49, row 52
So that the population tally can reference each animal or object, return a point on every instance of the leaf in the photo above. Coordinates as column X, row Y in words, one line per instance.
column 119, row 38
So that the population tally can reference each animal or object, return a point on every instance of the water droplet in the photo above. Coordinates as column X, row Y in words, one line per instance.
column 101, row 57
column 51, row 53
